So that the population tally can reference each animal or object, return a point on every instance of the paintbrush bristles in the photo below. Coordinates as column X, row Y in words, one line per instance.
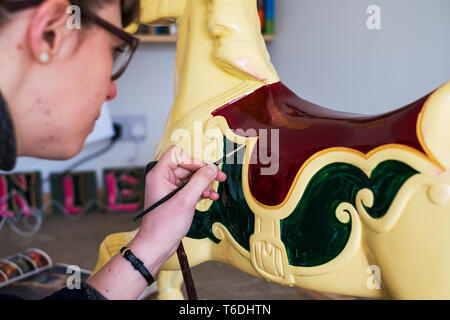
column 229, row 155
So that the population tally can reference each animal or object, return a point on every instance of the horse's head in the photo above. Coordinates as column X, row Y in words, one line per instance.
column 233, row 26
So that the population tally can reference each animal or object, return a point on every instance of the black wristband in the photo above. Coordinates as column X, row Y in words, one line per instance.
column 137, row 264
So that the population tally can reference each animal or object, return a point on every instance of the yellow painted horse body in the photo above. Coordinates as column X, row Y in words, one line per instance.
column 403, row 253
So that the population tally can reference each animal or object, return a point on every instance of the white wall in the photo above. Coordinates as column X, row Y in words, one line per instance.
column 323, row 51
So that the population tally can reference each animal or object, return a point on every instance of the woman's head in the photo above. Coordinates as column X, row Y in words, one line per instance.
column 55, row 78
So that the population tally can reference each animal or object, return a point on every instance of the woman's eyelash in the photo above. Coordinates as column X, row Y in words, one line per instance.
column 117, row 50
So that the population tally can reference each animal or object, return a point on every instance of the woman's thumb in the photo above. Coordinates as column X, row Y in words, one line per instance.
column 199, row 182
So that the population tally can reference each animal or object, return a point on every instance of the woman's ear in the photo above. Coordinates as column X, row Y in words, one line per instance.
column 47, row 29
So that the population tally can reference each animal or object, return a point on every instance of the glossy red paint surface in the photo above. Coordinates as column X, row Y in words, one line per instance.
column 306, row 128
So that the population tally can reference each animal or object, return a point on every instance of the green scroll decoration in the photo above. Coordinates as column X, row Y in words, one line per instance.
column 231, row 209
column 311, row 234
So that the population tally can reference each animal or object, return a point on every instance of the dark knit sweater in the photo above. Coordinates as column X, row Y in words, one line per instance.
column 8, row 140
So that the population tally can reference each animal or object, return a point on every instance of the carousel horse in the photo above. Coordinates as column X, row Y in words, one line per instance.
column 323, row 200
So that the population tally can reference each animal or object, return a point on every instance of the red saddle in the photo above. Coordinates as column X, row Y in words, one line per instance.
column 306, row 128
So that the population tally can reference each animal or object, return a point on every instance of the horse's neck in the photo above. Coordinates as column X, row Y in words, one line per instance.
column 202, row 83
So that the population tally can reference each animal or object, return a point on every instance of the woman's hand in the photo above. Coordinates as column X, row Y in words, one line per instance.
column 163, row 228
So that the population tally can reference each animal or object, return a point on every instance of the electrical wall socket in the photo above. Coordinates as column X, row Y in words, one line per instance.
column 134, row 127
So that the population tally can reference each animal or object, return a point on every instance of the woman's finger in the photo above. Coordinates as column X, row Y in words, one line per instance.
column 185, row 174
column 221, row 176
column 214, row 196
column 175, row 158
column 182, row 173
column 197, row 185
column 206, row 194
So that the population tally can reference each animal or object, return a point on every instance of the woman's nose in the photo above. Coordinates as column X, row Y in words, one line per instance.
column 112, row 93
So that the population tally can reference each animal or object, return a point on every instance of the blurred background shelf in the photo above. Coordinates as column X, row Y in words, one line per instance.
column 172, row 38
column 167, row 33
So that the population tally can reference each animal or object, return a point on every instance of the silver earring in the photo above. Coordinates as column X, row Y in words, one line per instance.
column 44, row 57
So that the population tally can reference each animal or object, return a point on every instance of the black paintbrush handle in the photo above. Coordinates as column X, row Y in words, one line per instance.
column 149, row 168
column 157, row 204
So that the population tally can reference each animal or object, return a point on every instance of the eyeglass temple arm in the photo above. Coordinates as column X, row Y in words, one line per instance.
column 12, row 6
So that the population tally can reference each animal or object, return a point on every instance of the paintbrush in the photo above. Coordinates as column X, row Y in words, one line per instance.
column 174, row 192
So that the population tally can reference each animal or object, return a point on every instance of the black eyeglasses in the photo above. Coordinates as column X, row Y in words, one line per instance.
column 122, row 55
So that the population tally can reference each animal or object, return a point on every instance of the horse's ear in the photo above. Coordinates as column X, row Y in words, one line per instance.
column 161, row 11
column 434, row 126
column 239, row 46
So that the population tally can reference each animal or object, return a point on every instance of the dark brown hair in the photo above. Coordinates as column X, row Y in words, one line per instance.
column 130, row 8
